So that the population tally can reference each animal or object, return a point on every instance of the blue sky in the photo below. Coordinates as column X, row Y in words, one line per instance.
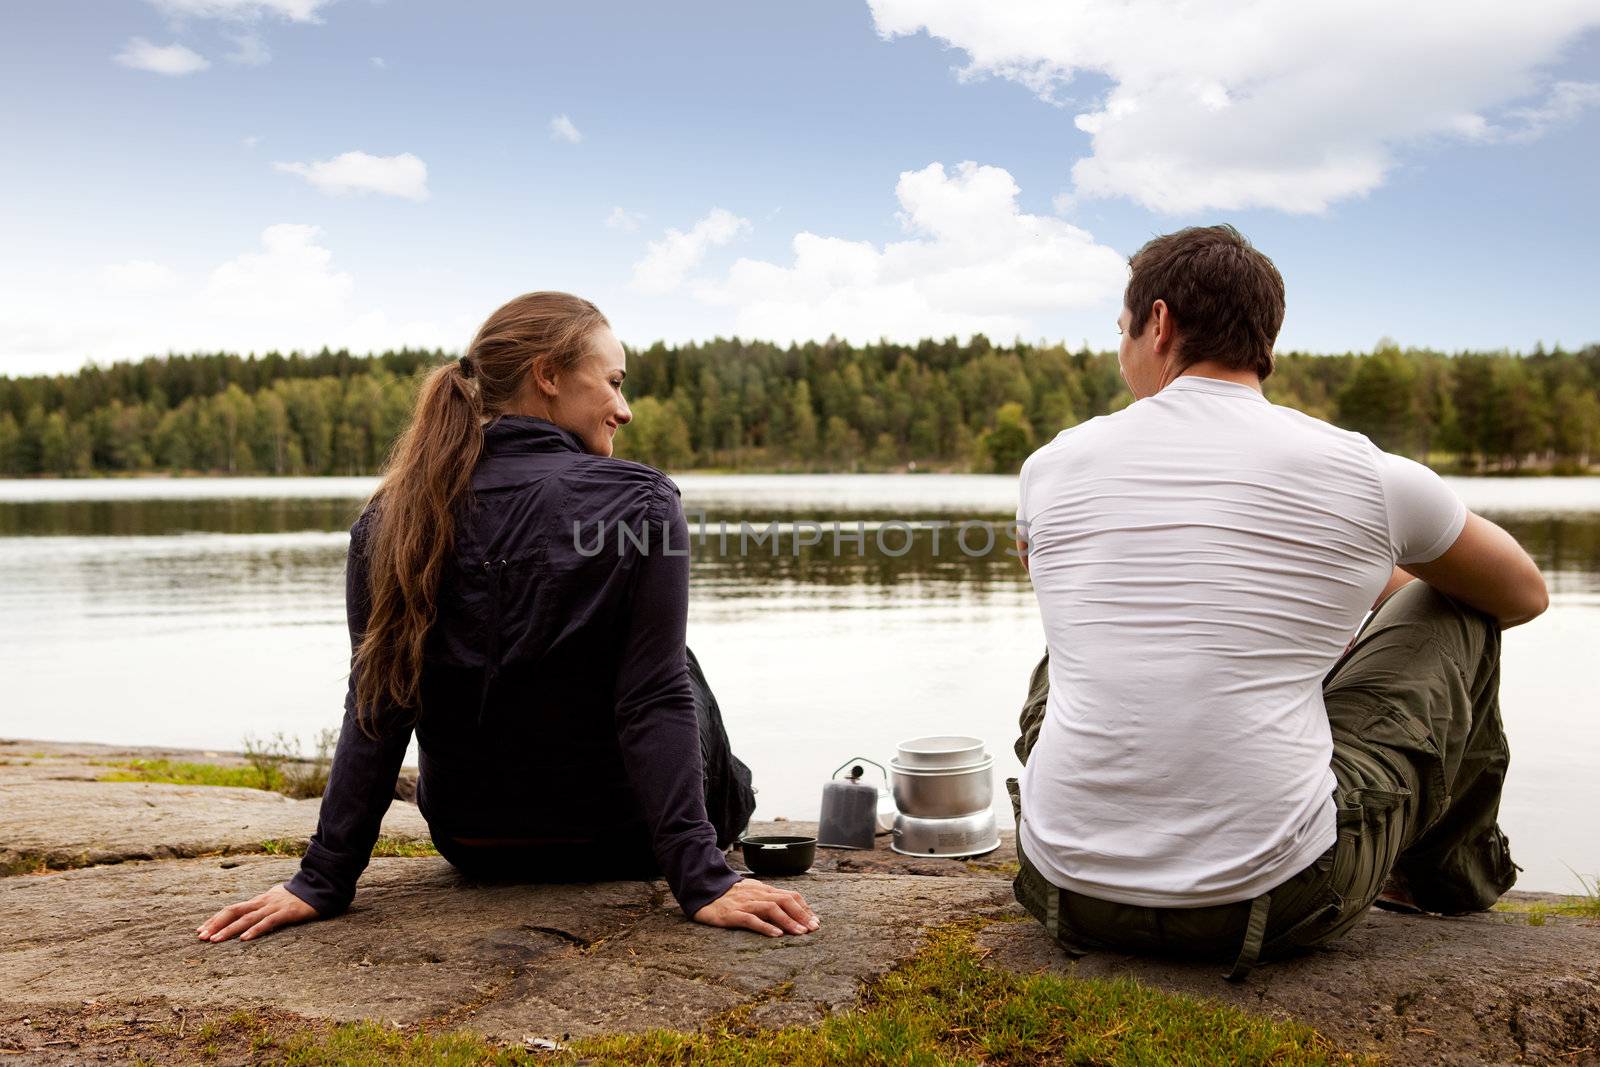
column 1431, row 181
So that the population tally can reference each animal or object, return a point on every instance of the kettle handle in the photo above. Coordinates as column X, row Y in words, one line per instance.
column 859, row 759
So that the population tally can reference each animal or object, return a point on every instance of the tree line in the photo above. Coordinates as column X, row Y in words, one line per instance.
column 742, row 405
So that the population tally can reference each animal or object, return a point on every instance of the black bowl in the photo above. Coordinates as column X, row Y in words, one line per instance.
column 779, row 855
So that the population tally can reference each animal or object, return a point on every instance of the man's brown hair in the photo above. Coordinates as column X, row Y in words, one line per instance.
column 1225, row 297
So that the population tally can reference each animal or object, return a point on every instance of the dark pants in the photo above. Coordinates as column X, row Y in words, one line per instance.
column 1420, row 757
column 730, row 799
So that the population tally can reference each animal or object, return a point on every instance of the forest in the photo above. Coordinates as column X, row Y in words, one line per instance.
column 729, row 404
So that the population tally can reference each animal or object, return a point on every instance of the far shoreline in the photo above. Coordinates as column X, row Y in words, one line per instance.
column 1553, row 471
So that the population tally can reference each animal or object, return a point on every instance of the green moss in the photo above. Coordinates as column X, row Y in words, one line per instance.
column 16, row 864
column 391, row 846
column 1003, row 868
column 180, row 772
column 385, row 848
column 275, row 765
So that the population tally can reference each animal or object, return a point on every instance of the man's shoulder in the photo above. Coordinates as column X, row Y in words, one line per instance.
column 1333, row 444
column 1066, row 440
column 1311, row 423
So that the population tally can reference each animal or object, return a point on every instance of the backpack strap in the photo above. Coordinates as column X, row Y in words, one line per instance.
column 1255, row 932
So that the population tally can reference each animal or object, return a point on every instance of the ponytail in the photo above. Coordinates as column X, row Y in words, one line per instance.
column 429, row 471
column 428, row 476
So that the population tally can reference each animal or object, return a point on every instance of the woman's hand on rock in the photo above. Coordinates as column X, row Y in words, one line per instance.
column 250, row 919
column 753, row 905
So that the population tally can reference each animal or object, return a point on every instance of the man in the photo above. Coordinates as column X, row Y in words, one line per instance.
column 1211, row 765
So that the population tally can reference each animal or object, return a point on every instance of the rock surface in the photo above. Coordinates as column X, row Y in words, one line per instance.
column 504, row 960
column 77, row 821
column 93, row 961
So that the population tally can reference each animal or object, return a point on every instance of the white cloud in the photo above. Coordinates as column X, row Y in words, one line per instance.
column 667, row 262
column 287, row 293
column 1566, row 101
column 173, row 59
column 562, row 129
column 251, row 141
column 243, row 10
column 626, row 221
column 972, row 261
column 291, row 270
column 1220, row 104
column 249, row 50
column 379, row 62
column 138, row 277
column 403, row 175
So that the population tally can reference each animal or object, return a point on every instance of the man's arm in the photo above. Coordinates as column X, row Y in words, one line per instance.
column 1486, row 569
column 1399, row 578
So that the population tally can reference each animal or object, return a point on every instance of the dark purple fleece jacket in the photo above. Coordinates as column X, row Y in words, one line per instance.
column 556, row 703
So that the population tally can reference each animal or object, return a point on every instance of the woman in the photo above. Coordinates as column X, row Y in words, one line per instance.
column 497, row 606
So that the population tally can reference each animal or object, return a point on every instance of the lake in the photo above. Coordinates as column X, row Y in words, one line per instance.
column 195, row 612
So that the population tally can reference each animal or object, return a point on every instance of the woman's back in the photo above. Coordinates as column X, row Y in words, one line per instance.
column 519, row 687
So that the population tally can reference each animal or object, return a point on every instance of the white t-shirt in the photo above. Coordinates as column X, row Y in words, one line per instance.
column 1201, row 560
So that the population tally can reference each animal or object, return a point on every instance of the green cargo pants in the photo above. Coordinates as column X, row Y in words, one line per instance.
column 1420, row 757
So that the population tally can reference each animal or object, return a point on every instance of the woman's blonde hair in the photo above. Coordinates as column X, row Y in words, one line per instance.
column 429, row 473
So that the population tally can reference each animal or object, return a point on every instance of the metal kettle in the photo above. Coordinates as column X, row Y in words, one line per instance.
column 853, row 811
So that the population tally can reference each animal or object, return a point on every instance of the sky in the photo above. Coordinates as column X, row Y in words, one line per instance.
column 248, row 175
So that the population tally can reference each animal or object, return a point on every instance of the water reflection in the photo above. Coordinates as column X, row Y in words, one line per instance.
column 1565, row 544
column 145, row 518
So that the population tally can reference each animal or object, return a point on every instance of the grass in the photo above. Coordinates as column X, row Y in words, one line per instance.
column 275, row 764
column 281, row 766
column 1537, row 911
column 1586, row 905
column 945, row 1007
column 941, row 1007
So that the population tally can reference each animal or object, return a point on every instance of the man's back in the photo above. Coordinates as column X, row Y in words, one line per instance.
column 1201, row 559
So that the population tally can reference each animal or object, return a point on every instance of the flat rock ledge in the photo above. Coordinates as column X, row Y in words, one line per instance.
column 77, row 822
column 91, row 958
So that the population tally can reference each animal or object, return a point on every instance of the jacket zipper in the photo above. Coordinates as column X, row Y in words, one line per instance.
column 494, row 569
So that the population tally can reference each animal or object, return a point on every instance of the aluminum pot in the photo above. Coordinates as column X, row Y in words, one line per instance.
column 943, row 793
column 968, row 835
column 928, row 753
